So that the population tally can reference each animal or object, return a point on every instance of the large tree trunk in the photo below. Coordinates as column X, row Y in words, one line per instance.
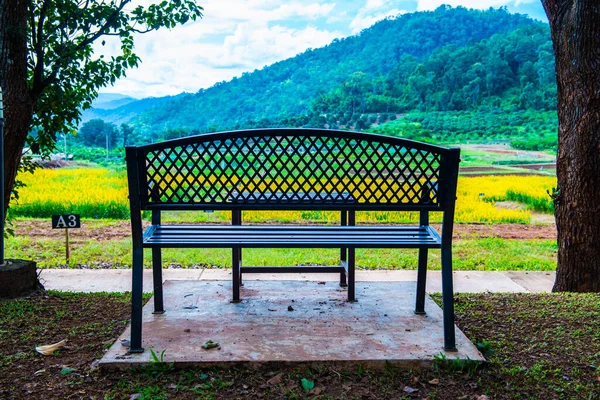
column 18, row 104
column 575, row 26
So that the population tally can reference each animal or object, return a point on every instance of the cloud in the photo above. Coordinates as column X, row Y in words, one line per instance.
column 373, row 11
column 234, row 36
column 364, row 21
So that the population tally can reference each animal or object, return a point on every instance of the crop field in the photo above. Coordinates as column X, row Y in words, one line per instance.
column 97, row 193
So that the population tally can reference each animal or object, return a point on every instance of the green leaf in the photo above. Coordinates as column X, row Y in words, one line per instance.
column 308, row 385
column 67, row 370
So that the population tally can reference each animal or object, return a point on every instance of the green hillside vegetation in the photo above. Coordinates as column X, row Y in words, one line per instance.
column 451, row 75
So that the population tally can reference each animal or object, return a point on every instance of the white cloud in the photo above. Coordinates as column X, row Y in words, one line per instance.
column 234, row 36
column 373, row 11
column 364, row 21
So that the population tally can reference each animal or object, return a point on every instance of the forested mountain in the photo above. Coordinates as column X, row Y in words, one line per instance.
column 450, row 60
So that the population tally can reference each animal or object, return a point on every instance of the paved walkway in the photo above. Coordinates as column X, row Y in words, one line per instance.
column 119, row 280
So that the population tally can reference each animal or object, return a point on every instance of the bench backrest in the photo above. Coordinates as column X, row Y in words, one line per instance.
column 293, row 169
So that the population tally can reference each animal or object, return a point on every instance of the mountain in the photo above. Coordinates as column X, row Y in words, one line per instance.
column 108, row 101
column 447, row 60
column 122, row 110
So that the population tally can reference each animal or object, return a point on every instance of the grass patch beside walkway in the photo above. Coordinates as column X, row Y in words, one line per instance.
column 539, row 347
column 487, row 254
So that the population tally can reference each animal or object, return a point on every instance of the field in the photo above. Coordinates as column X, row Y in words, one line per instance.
column 490, row 235
column 97, row 193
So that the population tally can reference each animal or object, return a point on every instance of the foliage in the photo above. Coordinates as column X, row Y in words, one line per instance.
column 525, row 129
column 63, row 66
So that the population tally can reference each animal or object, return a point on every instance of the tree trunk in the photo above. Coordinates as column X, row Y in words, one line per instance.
column 18, row 104
column 575, row 26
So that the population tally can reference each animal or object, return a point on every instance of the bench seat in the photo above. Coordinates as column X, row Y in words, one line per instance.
column 227, row 236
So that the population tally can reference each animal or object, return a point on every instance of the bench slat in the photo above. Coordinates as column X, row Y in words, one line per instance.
column 292, row 237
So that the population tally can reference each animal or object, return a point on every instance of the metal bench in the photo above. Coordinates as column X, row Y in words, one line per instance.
column 292, row 169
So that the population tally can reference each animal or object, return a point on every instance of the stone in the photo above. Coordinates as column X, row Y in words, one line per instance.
column 17, row 278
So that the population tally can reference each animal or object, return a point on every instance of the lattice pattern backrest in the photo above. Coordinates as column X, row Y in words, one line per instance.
column 302, row 167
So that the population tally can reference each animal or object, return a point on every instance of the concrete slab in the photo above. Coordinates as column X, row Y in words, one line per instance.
column 464, row 281
column 533, row 281
column 106, row 280
column 322, row 327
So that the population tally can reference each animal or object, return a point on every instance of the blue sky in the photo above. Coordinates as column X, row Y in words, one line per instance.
column 236, row 36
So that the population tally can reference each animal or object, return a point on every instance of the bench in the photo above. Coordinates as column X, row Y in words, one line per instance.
column 292, row 169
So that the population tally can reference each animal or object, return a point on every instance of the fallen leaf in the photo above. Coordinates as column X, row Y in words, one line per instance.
column 49, row 349
column 307, row 385
column 276, row 380
column 209, row 344
column 316, row 391
column 125, row 342
column 482, row 397
column 435, row 381
column 135, row 396
column 408, row 389
column 39, row 372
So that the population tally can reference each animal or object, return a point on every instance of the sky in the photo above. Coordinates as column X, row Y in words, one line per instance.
column 236, row 36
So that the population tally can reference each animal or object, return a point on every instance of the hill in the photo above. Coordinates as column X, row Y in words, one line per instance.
column 450, row 60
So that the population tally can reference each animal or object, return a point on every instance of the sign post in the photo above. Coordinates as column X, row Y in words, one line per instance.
column 66, row 221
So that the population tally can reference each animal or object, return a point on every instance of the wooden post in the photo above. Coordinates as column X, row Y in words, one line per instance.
column 68, row 253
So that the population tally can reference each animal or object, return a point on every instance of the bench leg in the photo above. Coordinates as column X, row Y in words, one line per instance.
column 351, row 275
column 236, row 274
column 343, row 252
column 137, row 271
column 448, row 299
column 421, row 282
column 157, row 280
column 236, row 219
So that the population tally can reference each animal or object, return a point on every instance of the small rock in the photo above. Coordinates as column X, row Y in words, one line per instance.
column 408, row 389
column 290, row 308
column 187, row 330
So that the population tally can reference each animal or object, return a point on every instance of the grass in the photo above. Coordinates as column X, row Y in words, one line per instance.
column 544, row 346
column 485, row 254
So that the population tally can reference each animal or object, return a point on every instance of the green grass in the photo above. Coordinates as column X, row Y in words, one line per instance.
column 469, row 254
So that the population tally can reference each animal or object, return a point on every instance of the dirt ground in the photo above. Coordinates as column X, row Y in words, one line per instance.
column 118, row 230
column 538, row 347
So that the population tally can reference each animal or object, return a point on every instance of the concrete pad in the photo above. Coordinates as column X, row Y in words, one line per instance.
column 106, row 280
column 533, row 281
column 464, row 281
column 119, row 280
column 323, row 327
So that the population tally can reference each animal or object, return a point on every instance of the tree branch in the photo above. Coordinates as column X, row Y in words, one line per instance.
column 38, row 73
column 102, row 31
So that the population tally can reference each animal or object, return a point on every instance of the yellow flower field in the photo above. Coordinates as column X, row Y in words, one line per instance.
column 102, row 193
